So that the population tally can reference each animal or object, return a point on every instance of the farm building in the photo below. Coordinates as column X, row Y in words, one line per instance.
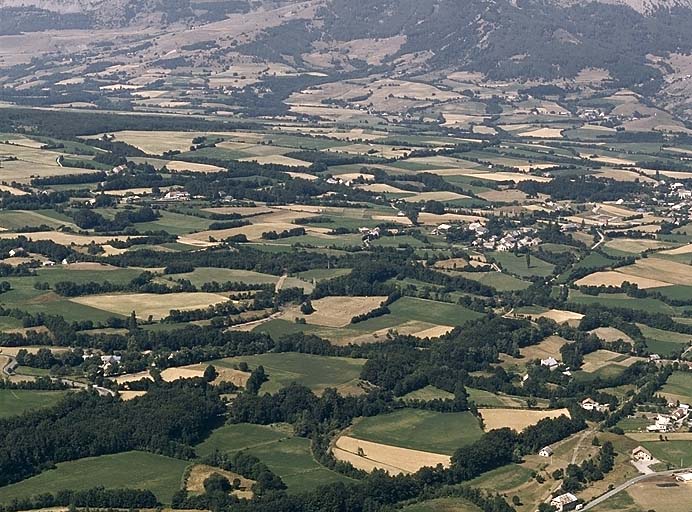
column 546, row 452
column 551, row 363
column 641, row 453
column 564, row 502
column 684, row 477
column 589, row 404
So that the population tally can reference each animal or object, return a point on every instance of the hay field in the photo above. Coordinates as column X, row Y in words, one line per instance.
column 616, row 278
column 549, row 347
column 559, row 316
column 126, row 396
column 66, row 238
column 635, row 246
column 145, row 304
column 200, row 472
column 685, row 249
column 517, row 419
column 543, row 133
column 434, row 332
column 610, row 334
column 337, row 311
column 442, row 196
column 678, row 387
column 602, row 358
column 176, row 165
column 664, row 270
column 662, row 493
column 392, row 459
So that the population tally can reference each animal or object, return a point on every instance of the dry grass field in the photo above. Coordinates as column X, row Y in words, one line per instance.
column 200, row 472
column 517, row 419
column 434, row 196
column 559, row 316
column 610, row 334
column 131, row 395
column 146, row 304
column 685, row 249
column 664, row 270
column 277, row 160
column 663, row 494
column 336, row 311
column 549, row 347
column 369, row 456
column 635, row 245
column 616, row 278
column 433, row 332
column 602, row 358
column 176, row 165
column 66, row 238
column 543, row 133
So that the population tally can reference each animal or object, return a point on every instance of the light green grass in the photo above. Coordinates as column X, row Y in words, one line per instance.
column 175, row 223
column 18, row 401
column 517, row 264
column 679, row 385
column 620, row 300
column 133, row 470
column 500, row 281
column 420, row 430
column 315, row 372
column 676, row 453
column 429, row 393
column 323, row 274
column 287, row 456
column 442, row 505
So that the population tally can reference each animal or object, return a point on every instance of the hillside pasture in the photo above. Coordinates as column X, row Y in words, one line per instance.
column 419, row 430
column 313, row 371
column 14, row 402
column 549, row 347
column 600, row 359
column 134, row 470
column 678, row 388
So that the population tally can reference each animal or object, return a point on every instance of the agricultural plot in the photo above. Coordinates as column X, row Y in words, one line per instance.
column 664, row 342
column 678, row 388
column 287, row 456
column 315, row 372
column 549, row 347
column 149, row 304
column 135, row 470
column 499, row 280
column 14, row 402
column 518, row 264
column 605, row 363
column 419, row 430
column 442, row 505
column 517, row 419
column 621, row 300
column 203, row 275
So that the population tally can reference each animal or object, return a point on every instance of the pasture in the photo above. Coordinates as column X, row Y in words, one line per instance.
column 18, row 401
column 315, row 372
column 442, row 505
column 135, row 470
column 419, row 430
column 678, row 387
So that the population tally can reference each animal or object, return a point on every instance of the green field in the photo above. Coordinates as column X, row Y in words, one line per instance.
column 315, row 372
column 676, row 453
column 175, row 223
column 442, row 505
column 287, row 456
column 18, row 401
column 517, row 264
column 134, row 470
column 620, row 300
column 664, row 342
column 429, row 393
column 679, row 387
column 503, row 478
column 203, row 275
column 323, row 274
column 500, row 281
column 434, row 312
column 420, row 430
column 16, row 219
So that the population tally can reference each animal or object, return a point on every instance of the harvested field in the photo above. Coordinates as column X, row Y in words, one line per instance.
column 131, row 395
column 277, row 160
column 451, row 264
column 132, row 377
column 558, row 316
column 383, row 188
column 602, row 358
column 434, row 332
column 549, row 347
column 173, row 374
column 668, row 271
column 146, row 304
column 517, row 419
column 662, row 493
column 610, row 334
column 370, row 456
column 616, row 278
column 337, row 311
column 685, row 249
column 66, row 238
column 503, row 196
column 543, row 133
column 175, row 165
column 200, row 472
column 236, row 377
column 635, row 246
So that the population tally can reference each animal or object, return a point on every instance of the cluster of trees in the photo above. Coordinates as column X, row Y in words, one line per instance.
column 168, row 420
column 86, row 218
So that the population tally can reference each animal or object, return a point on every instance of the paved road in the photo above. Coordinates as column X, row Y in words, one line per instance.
column 600, row 241
column 630, row 483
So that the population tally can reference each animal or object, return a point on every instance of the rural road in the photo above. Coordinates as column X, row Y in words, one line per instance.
column 630, row 483
column 280, row 283
column 600, row 241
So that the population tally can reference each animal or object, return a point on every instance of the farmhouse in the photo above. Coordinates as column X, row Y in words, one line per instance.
column 640, row 453
column 551, row 363
column 663, row 424
column 546, row 452
column 564, row 502
column 589, row 404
